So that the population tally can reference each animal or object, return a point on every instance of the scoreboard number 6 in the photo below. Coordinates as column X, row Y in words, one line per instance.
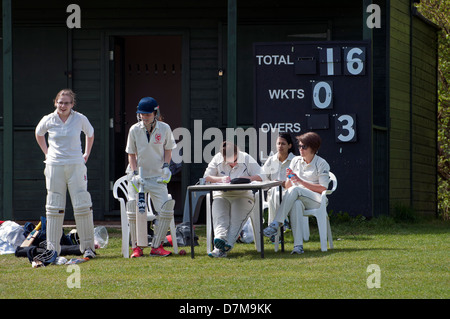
column 345, row 128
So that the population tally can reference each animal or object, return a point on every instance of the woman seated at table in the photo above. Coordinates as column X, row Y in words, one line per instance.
column 230, row 209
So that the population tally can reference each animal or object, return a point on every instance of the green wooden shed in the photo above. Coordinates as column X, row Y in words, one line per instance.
column 196, row 58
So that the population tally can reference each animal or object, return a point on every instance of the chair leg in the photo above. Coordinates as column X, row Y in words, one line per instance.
column 125, row 234
column 256, row 231
column 208, row 224
column 276, row 241
column 330, row 236
column 173, row 233
column 322, row 224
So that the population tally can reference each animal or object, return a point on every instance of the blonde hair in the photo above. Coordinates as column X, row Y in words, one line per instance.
column 67, row 92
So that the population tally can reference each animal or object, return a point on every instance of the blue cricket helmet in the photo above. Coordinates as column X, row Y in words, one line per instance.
column 147, row 105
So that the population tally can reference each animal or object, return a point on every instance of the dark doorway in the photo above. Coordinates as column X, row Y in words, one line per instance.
column 146, row 66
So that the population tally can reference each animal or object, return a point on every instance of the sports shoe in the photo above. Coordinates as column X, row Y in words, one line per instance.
column 271, row 230
column 159, row 252
column 137, row 252
column 89, row 254
column 221, row 245
column 217, row 253
column 297, row 250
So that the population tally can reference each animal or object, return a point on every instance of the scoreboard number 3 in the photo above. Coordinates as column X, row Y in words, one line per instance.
column 345, row 128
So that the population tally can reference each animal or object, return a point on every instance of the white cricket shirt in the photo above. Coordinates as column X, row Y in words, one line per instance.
column 274, row 170
column 316, row 172
column 246, row 166
column 64, row 144
column 150, row 153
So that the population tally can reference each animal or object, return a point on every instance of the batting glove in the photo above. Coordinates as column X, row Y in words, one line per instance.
column 136, row 180
column 166, row 176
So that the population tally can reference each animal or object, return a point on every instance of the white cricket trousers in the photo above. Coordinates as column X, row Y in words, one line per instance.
column 59, row 179
column 229, row 216
column 295, row 200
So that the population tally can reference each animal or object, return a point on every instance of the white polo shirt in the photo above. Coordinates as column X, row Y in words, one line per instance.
column 274, row 170
column 246, row 166
column 150, row 153
column 64, row 144
column 316, row 172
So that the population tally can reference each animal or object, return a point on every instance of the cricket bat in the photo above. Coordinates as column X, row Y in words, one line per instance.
column 141, row 216
column 31, row 236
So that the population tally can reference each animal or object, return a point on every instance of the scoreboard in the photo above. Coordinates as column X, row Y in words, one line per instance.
column 323, row 87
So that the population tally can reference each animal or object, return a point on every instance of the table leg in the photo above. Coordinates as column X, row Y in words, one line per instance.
column 191, row 223
column 282, row 227
column 261, row 237
column 212, row 223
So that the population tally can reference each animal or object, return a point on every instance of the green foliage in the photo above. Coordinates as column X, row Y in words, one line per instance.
column 438, row 11
column 404, row 213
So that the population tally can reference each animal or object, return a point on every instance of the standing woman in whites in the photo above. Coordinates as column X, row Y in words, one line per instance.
column 274, row 169
column 66, row 169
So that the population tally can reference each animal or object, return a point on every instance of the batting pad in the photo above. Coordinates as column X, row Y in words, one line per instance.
column 164, row 218
column 131, row 215
column 85, row 229
column 55, row 202
column 55, row 220
column 81, row 201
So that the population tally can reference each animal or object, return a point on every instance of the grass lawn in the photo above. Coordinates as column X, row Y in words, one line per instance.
column 413, row 260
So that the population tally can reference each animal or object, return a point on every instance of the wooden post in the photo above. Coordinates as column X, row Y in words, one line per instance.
column 232, row 63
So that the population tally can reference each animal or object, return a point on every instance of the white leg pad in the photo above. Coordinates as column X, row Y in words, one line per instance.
column 54, row 224
column 164, row 218
column 85, row 229
column 81, row 201
column 131, row 214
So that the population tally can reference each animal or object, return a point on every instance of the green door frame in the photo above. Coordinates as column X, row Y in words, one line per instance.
column 8, row 121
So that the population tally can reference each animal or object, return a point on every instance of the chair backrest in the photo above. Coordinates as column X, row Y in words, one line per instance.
column 333, row 179
column 120, row 185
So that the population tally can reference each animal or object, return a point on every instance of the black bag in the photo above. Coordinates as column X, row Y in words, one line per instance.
column 184, row 235
column 240, row 180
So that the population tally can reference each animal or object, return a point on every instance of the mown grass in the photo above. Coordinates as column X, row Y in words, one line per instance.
column 413, row 260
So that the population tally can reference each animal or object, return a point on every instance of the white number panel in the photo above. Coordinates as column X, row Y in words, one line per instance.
column 345, row 128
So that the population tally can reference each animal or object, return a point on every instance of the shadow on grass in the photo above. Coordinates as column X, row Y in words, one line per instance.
column 270, row 254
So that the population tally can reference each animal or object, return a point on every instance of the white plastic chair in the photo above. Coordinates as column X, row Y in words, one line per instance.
column 120, row 192
column 254, row 217
column 323, row 222
column 321, row 215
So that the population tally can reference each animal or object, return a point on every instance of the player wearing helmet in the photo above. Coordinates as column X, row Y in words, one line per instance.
column 149, row 147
